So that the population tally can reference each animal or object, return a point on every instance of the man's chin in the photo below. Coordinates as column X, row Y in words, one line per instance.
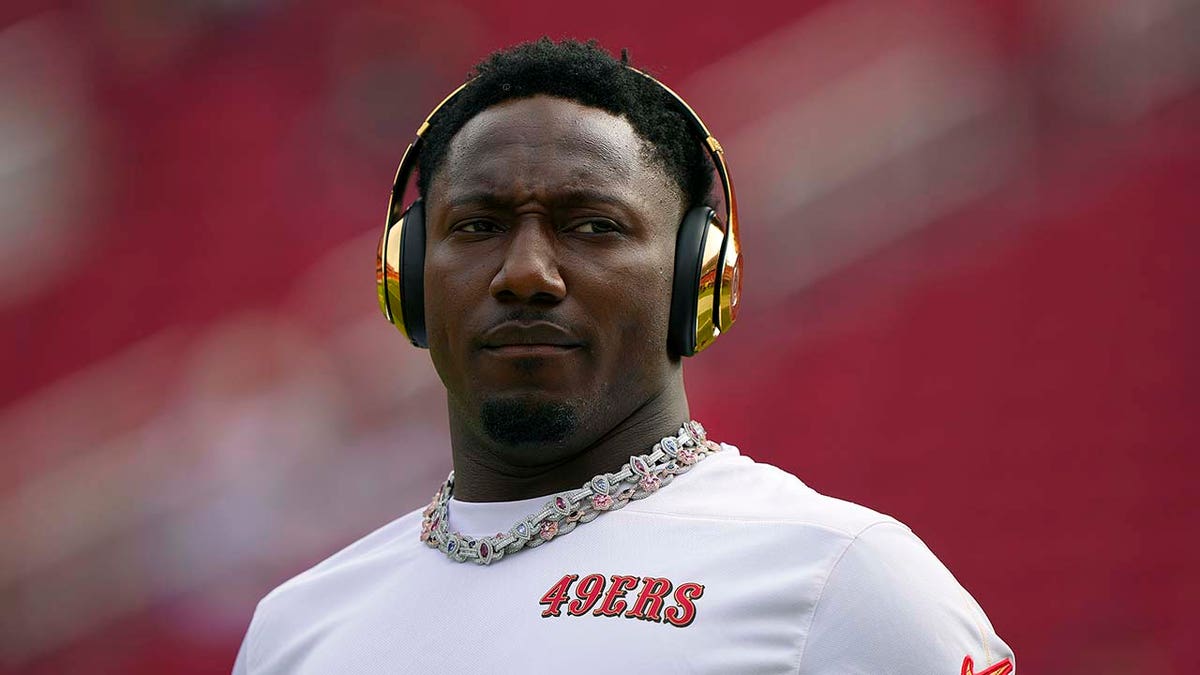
column 527, row 420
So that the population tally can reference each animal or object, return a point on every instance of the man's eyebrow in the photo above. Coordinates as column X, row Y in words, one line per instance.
column 476, row 198
column 584, row 195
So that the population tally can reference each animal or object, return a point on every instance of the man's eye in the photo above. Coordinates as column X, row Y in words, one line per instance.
column 477, row 227
column 596, row 226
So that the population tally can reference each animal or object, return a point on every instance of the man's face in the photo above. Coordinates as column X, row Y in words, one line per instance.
column 551, row 240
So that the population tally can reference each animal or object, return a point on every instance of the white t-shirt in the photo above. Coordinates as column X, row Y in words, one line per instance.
column 735, row 567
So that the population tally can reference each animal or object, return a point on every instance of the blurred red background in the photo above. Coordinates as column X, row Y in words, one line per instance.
column 971, row 232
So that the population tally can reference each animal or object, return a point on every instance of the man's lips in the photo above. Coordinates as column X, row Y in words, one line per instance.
column 517, row 351
column 535, row 338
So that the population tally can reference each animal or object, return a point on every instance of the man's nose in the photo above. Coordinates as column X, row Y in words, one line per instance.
column 530, row 270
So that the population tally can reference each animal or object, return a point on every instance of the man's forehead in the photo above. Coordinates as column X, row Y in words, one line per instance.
column 506, row 176
column 544, row 139
column 547, row 120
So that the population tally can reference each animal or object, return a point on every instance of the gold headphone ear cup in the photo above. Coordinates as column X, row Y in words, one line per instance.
column 388, row 278
column 729, row 296
column 697, row 252
column 382, row 270
column 400, row 274
column 708, row 286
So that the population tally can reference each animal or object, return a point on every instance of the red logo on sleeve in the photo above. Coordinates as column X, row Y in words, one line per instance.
column 658, row 600
column 1002, row 668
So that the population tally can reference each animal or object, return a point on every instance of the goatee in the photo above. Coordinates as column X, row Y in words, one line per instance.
column 523, row 422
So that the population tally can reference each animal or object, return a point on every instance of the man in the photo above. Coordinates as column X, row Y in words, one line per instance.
column 558, row 189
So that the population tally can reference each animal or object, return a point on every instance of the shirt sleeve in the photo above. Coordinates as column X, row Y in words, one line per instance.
column 239, row 665
column 890, row 606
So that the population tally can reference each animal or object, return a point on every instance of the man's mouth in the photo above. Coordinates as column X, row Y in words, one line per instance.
column 530, row 350
column 526, row 339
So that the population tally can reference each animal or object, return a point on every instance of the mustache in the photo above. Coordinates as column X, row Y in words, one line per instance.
column 527, row 315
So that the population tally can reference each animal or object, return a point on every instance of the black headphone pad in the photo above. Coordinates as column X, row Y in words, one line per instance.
column 689, row 251
column 412, row 274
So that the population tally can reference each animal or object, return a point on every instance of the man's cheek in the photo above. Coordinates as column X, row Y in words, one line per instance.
column 643, row 330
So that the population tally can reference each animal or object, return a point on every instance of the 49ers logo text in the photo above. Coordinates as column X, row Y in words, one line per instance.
column 645, row 598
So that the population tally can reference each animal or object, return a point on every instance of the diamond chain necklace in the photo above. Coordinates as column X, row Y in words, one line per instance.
column 640, row 477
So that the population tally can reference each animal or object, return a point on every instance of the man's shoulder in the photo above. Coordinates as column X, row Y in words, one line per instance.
column 731, row 486
column 341, row 580
column 363, row 554
column 875, row 575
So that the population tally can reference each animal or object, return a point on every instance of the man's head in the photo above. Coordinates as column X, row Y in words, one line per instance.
column 586, row 74
column 553, row 189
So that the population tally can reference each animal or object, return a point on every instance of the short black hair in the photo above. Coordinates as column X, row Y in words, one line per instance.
column 582, row 72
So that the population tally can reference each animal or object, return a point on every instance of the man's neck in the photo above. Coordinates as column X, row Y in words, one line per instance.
column 481, row 473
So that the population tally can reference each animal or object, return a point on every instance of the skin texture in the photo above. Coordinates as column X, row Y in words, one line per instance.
column 550, row 220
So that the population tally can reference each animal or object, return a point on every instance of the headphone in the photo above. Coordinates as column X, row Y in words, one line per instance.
column 708, row 256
